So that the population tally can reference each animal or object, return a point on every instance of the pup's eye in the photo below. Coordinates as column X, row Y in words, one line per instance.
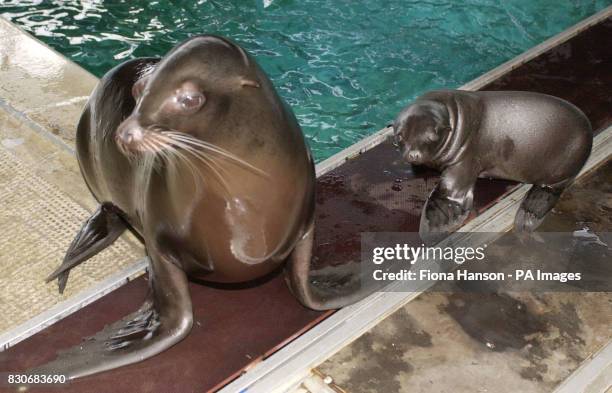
column 191, row 101
column 432, row 137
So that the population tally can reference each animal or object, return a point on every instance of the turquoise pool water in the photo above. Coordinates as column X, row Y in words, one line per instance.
column 346, row 67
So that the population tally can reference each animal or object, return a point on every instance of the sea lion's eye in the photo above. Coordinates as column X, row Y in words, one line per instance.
column 190, row 102
column 187, row 99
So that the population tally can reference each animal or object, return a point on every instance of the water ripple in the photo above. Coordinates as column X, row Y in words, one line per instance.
column 346, row 67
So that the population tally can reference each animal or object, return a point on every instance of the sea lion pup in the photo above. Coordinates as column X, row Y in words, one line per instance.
column 522, row 136
column 198, row 155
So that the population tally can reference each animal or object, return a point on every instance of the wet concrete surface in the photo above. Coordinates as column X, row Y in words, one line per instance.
column 41, row 84
column 43, row 199
column 454, row 341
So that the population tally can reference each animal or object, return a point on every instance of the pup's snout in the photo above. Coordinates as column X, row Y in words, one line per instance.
column 413, row 156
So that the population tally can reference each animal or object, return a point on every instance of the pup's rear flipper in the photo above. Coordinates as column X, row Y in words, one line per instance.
column 99, row 231
column 163, row 320
column 537, row 203
column 329, row 288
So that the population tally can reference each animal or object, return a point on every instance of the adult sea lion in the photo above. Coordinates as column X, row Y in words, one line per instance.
column 199, row 156
column 522, row 136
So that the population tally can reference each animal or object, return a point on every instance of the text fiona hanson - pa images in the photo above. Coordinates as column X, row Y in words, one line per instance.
column 403, row 253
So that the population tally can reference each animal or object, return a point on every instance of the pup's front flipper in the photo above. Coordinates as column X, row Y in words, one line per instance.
column 447, row 207
column 536, row 204
column 99, row 231
column 164, row 319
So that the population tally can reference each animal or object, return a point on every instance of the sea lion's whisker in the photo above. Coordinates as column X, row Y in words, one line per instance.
column 159, row 146
column 210, row 163
column 166, row 150
column 154, row 149
column 125, row 152
column 150, row 148
column 205, row 145
column 194, row 170
column 207, row 161
column 170, row 135
column 201, row 156
column 213, row 148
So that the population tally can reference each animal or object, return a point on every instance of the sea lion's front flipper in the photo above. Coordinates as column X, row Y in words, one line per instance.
column 329, row 288
column 448, row 205
column 164, row 319
column 99, row 231
column 536, row 204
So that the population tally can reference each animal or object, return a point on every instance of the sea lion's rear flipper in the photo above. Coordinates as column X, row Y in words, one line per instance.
column 446, row 209
column 99, row 231
column 164, row 319
column 328, row 288
column 536, row 204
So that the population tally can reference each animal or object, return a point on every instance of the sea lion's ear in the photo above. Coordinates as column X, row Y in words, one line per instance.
column 443, row 129
column 440, row 113
column 139, row 86
column 249, row 83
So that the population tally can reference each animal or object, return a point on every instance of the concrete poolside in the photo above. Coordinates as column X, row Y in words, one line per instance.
column 37, row 137
column 44, row 200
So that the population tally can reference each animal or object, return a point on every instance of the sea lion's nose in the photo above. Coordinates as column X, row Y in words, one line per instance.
column 130, row 133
